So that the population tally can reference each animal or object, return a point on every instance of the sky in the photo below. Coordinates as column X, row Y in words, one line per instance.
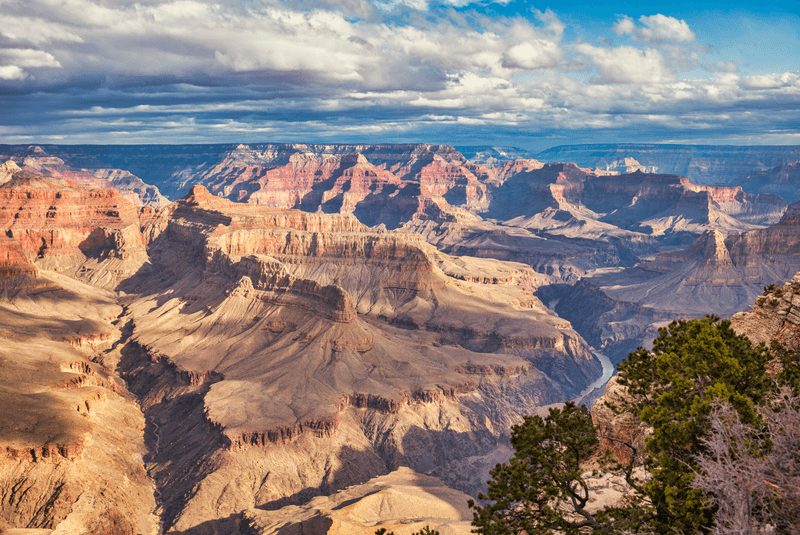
column 458, row 72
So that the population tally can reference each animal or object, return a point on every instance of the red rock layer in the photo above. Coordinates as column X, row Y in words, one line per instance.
column 58, row 219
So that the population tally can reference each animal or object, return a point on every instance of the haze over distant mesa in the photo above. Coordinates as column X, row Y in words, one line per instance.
column 455, row 71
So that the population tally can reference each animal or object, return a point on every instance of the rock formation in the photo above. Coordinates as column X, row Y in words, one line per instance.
column 715, row 275
column 276, row 354
column 71, row 440
column 36, row 160
column 401, row 502
column 775, row 316
column 290, row 346
column 620, row 432
column 728, row 165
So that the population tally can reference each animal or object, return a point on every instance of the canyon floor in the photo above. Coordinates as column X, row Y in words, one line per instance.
column 265, row 339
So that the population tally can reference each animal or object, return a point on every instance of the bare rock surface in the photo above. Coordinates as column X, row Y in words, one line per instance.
column 402, row 502
column 289, row 347
column 307, row 352
column 720, row 164
column 619, row 430
column 71, row 445
column 775, row 316
column 277, row 355
column 717, row 274
column 37, row 160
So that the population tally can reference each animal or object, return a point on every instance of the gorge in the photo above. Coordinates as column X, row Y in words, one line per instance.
column 247, row 335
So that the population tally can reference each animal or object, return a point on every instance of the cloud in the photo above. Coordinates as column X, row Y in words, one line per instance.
column 204, row 70
column 36, row 31
column 22, row 57
column 12, row 72
column 656, row 29
column 771, row 81
column 626, row 64
column 532, row 55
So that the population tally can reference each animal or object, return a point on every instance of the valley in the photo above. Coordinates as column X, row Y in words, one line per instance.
column 271, row 337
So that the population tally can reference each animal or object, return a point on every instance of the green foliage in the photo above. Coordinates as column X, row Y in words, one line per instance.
column 692, row 365
column 529, row 493
column 788, row 365
column 768, row 289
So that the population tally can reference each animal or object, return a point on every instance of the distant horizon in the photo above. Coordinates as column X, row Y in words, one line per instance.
column 337, row 143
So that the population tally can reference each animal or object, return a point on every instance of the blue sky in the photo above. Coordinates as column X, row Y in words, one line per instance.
column 456, row 72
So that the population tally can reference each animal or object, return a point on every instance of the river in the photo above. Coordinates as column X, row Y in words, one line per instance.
column 608, row 371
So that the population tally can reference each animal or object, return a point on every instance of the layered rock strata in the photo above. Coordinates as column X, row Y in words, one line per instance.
column 279, row 354
column 36, row 160
column 701, row 164
column 61, row 225
column 71, row 443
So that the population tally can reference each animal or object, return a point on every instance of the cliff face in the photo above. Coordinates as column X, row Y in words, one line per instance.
column 729, row 165
column 715, row 275
column 36, row 160
column 312, row 340
column 61, row 225
column 277, row 355
column 498, row 208
column 775, row 316
column 71, row 444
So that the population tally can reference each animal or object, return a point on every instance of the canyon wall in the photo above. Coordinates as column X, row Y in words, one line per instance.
column 719, row 164
column 276, row 355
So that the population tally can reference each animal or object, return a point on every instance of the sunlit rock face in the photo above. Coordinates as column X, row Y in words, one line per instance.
column 82, row 169
column 717, row 274
column 276, row 354
column 775, row 316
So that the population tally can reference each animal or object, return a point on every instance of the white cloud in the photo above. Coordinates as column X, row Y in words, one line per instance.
column 23, row 57
column 656, row 29
column 771, row 81
column 532, row 55
column 36, row 31
column 12, row 72
column 626, row 64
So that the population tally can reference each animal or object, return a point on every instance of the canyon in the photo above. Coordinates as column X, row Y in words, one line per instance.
column 272, row 337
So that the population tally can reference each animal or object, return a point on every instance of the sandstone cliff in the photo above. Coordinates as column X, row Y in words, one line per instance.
column 64, row 226
column 287, row 330
column 277, row 354
column 36, row 160
column 71, row 444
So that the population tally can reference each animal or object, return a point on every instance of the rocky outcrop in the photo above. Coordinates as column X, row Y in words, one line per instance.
column 775, row 316
column 401, row 502
column 36, row 160
column 59, row 224
column 619, row 431
column 316, row 340
column 71, row 444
